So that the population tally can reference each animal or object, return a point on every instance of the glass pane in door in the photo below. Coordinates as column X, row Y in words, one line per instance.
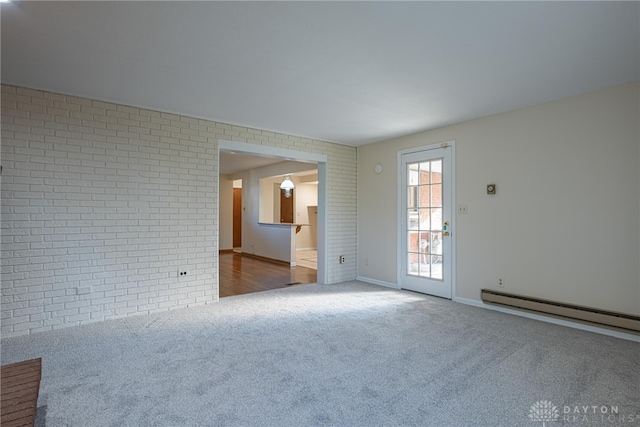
column 424, row 213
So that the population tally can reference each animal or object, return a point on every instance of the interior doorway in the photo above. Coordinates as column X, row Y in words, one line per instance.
column 286, row 206
column 249, row 217
column 237, row 215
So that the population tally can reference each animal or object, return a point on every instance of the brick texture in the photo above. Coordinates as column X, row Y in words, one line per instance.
column 102, row 204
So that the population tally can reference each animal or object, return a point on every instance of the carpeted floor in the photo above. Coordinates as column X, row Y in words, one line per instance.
column 349, row 354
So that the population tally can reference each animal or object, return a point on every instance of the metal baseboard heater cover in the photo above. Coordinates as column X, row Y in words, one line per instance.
column 596, row 316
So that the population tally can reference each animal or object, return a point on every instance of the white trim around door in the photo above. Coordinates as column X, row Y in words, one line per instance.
column 426, row 227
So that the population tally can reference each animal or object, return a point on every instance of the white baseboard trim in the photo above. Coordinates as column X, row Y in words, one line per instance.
column 549, row 319
column 377, row 282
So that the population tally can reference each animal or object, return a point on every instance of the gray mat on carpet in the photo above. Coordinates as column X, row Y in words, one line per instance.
column 349, row 354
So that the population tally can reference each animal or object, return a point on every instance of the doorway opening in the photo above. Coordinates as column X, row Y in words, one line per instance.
column 253, row 236
column 286, row 206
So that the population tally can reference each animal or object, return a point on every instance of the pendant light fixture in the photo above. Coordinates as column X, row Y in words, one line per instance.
column 287, row 185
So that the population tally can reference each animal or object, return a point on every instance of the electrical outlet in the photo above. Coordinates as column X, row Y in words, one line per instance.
column 343, row 259
column 501, row 283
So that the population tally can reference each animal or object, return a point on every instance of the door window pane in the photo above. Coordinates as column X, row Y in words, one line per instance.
column 425, row 270
column 436, row 243
column 412, row 197
column 424, row 219
column 414, row 241
column 413, row 219
column 436, row 171
column 436, row 195
column 413, row 267
column 424, row 173
column 436, row 219
column 413, row 173
column 436, row 267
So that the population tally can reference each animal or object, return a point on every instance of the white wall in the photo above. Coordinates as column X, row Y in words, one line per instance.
column 269, row 211
column 226, row 213
column 564, row 224
column 306, row 195
column 102, row 204
column 267, row 241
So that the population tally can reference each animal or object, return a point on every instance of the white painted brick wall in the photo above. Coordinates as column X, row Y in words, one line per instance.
column 117, row 199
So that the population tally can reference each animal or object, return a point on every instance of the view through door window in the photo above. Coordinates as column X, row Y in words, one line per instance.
column 424, row 219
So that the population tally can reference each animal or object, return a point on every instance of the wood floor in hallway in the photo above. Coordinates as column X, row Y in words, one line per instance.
column 242, row 275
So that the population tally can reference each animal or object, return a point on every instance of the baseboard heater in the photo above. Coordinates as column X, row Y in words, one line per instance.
column 611, row 319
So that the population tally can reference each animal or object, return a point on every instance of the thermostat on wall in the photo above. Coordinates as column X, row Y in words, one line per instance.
column 377, row 168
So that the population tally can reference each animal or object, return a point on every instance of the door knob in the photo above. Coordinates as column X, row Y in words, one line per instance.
column 445, row 234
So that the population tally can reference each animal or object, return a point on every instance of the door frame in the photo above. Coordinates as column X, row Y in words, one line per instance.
column 450, row 145
column 285, row 154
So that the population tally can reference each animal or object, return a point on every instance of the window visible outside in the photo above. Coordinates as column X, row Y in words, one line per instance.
column 424, row 219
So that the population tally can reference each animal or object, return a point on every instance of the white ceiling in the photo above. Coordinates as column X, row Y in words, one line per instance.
column 348, row 72
column 232, row 163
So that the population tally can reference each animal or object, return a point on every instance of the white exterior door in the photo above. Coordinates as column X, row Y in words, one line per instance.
column 426, row 220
